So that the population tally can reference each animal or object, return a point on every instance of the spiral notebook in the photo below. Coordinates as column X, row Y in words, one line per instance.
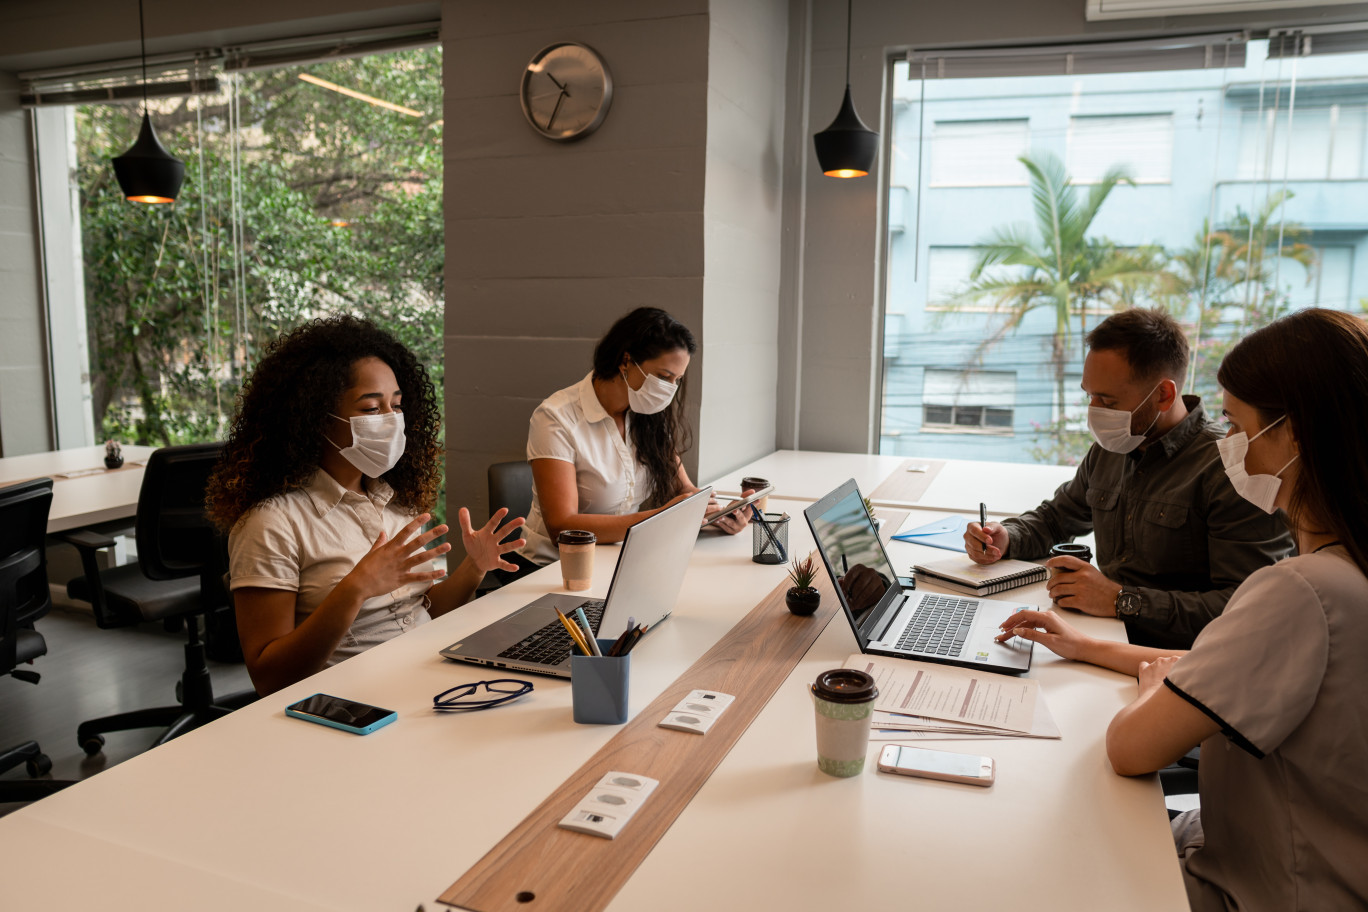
column 982, row 579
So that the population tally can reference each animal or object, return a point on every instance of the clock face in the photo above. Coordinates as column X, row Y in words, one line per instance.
column 566, row 90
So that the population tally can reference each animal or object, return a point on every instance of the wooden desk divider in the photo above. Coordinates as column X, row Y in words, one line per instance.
column 539, row 867
column 904, row 487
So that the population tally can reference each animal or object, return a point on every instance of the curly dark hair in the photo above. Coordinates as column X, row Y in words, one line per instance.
column 277, row 438
column 660, row 439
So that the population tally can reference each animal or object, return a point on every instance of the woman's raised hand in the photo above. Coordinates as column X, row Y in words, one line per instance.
column 483, row 546
column 389, row 563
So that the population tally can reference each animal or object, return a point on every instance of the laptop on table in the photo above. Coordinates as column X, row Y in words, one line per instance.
column 646, row 582
column 891, row 620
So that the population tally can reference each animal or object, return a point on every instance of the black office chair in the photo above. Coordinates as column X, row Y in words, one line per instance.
column 510, row 485
column 23, row 599
column 178, row 576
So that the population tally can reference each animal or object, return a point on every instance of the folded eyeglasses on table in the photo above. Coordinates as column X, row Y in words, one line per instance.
column 480, row 695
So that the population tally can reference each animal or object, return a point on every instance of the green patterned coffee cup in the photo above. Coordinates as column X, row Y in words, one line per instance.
column 844, row 701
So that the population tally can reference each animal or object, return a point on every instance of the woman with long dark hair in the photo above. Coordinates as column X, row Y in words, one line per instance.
column 1274, row 689
column 326, row 480
column 605, row 453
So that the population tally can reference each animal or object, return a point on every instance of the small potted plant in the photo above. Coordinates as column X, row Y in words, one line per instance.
column 113, row 454
column 802, row 598
column 873, row 517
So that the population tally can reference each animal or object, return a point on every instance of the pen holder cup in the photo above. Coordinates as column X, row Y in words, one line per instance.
column 598, row 687
column 770, row 538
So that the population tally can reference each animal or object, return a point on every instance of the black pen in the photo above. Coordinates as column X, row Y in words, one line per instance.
column 983, row 521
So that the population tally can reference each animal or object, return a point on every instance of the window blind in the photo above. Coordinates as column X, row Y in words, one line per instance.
column 1192, row 52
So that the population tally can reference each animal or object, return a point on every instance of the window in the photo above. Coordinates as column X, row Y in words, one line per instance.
column 1212, row 233
column 979, row 153
column 1141, row 144
column 1327, row 142
column 968, row 400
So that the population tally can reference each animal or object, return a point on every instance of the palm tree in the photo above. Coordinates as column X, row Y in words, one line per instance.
column 1054, row 264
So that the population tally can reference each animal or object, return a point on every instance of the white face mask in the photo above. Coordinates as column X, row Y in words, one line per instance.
column 377, row 442
column 1260, row 490
column 1111, row 427
column 654, row 396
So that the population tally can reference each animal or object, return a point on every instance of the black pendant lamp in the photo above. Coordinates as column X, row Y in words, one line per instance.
column 147, row 173
column 847, row 147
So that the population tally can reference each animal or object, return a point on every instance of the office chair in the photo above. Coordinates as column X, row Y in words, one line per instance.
column 24, row 598
column 510, row 485
column 179, row 575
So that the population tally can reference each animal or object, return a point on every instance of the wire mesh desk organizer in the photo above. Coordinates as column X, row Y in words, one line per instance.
column 769, row 537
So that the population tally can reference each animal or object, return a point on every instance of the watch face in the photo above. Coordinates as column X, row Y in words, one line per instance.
column 1128, row 604
column 566, row 90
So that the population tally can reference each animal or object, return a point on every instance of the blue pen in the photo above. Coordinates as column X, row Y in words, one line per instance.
column 588, row 632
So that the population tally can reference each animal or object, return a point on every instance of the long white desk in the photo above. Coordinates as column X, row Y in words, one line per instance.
column 961, row 484
column 88, row 499
column 264, row 809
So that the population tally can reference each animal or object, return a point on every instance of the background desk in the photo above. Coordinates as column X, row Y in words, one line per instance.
column 89, row 499
column 260, row 802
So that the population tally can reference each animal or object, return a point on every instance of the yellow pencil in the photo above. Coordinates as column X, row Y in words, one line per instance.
column 574, row 632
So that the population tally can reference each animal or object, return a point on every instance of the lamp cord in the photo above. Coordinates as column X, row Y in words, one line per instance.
column 142, row 40
column 848, row 2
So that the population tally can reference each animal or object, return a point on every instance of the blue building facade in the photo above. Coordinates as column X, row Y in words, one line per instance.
column 1205, row 144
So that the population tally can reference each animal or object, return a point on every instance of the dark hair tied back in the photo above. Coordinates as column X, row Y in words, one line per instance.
column 660, row 439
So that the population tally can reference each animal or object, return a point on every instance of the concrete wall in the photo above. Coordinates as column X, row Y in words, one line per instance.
column 25, row 407
column 743, row 208
column 549, row 243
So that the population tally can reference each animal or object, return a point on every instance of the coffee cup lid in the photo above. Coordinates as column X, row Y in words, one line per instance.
column 845, row 685
column 1070, row 548
column 755, row 484
column 576, row 537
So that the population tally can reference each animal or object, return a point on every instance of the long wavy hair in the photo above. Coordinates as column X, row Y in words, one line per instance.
column 277, row 440
column 1312, row 367
column 660, row 439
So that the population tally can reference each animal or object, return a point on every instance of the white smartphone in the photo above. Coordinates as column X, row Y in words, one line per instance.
column 933, row 764
column 737, row 504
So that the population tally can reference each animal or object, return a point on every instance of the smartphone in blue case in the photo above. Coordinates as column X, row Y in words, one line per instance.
column 348, row 715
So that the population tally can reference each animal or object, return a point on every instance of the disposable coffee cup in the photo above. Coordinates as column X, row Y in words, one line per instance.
column 844, row 702
column 755, row 484
column 577, row 558
column 1070, row 549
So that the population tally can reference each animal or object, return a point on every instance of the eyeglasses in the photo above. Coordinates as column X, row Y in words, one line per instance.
column 480, row 695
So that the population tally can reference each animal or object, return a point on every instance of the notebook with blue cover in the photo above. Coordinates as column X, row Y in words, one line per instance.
column 946, row 532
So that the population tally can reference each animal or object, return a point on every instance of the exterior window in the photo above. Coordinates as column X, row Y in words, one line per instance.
column 1326, row 143
column 968, row 400
column 1142, row 144
column 979, row 153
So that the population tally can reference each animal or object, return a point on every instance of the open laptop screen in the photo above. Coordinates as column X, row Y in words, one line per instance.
column 854, row 558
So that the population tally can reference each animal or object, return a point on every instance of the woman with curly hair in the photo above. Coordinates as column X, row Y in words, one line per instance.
column 605, row 453
column 326, row 480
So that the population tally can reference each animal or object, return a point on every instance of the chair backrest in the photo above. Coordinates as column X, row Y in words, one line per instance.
column 510, row 485
column 24, row 593
column 175, row 537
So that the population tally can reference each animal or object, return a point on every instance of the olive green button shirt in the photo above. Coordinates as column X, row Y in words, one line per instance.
column 1167, row 521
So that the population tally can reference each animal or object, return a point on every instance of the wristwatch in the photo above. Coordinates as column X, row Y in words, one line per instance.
column 1128, row 603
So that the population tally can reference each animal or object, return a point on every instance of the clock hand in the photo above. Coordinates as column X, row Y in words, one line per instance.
column 555, row 109
column 560, row 85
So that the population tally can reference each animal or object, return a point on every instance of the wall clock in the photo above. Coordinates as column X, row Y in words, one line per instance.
column 566, row 91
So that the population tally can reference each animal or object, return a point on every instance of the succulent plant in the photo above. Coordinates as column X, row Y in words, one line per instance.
column 869, row 508
column 802, row 573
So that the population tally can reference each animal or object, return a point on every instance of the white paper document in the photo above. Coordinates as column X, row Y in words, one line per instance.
column 898, row 727
column 945, row 692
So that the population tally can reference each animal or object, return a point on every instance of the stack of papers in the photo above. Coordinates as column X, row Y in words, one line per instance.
column 923, row 701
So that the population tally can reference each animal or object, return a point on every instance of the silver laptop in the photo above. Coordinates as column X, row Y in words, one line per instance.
column 646, row 581
column 890, row 619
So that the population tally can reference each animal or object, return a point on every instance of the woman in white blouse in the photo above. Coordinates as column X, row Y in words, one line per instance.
column 1276, row 688
column 325, row 482
column 605, row 453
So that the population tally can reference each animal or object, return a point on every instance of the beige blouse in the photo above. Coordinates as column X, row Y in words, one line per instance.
column 1284, row 785
column 306, row 540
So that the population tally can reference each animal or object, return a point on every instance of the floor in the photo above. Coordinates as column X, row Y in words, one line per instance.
column 89, row 673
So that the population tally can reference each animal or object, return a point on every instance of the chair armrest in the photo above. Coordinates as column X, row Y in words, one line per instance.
column 86, row 539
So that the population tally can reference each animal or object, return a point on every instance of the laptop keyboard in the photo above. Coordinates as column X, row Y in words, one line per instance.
column 940, row 627
column 552, row 645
